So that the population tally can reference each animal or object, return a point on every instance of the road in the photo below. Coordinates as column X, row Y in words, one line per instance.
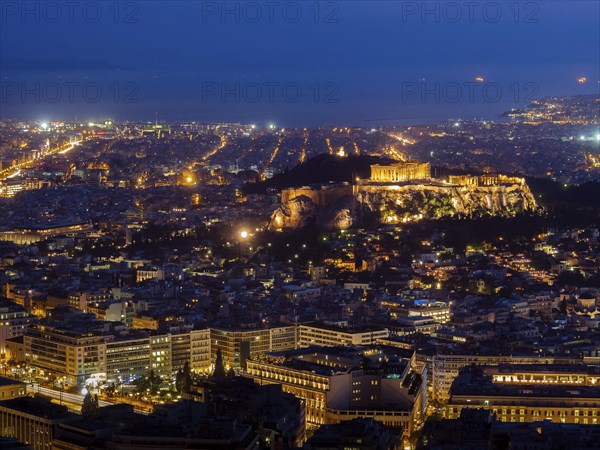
column 14, row 170
column 69, row 399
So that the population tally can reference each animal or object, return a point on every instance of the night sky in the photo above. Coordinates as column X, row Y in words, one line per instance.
column 292, row 63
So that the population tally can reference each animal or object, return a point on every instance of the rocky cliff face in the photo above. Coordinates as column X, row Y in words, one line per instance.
column 295, row 213
column 398, row 204
column 405, row 203
column 302, row 211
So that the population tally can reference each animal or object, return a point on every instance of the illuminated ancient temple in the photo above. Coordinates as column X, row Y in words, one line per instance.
column 402, row 171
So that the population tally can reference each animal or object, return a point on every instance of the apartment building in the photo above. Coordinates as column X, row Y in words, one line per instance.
column 71, row 355
column 238, row 345
column 326, row 334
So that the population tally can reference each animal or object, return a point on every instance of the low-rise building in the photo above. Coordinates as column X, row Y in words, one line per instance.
column 10, row 388
column 530, row 392
column 32, row 421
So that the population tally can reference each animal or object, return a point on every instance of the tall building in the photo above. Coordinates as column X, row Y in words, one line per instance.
column 32, row 421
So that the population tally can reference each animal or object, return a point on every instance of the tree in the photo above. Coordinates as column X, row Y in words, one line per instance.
column 149, row 383
column 110, row 390
column 90, row 406
column 219, row 371
column 179, row 380
column 183, row 379
column 364, row 362
column 569, row 278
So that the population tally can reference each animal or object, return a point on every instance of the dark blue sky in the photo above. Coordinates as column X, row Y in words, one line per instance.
column 302, row 63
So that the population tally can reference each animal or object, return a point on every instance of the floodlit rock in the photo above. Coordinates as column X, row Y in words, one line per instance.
column 412, row 202
column 337, row 216
column 296, row 213
column 406, row 203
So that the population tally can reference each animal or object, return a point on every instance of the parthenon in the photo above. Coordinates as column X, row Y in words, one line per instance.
column 402, row 171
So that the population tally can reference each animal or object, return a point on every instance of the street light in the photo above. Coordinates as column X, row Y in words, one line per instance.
column 244, row 234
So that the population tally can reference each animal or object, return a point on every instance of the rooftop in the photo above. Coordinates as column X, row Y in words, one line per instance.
column 10, row 382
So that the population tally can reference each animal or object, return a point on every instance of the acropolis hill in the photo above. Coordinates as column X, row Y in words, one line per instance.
column 400, row 193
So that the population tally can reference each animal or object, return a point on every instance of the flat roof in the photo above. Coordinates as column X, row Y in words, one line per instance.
column 354, row 329
column 549, row 368
column 4, row 381
column 474, row 383
column 42, row 408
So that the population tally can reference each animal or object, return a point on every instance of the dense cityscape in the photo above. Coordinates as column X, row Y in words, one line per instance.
column 141, row 271
column 239, row 285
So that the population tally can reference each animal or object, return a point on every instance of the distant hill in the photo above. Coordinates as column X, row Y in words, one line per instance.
column 319, row 170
